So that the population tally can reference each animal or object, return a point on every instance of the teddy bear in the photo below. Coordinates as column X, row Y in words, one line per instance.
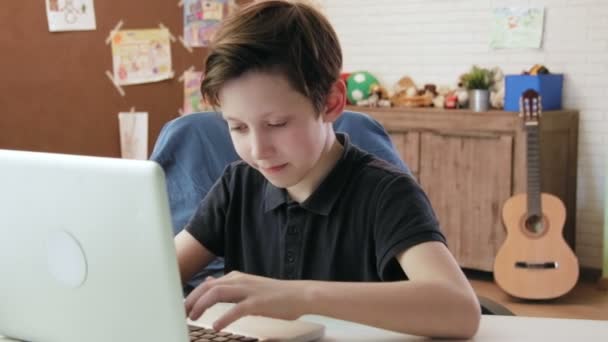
column 450, row 97
column 378, row 98
column 497, row 91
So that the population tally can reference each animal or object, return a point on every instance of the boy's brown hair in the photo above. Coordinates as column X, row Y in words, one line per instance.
column 288, row 37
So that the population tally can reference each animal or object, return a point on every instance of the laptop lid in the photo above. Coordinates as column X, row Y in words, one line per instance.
column 86, row 250
column 87, row 254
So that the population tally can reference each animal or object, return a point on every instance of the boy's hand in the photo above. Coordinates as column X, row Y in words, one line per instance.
column 253, row 295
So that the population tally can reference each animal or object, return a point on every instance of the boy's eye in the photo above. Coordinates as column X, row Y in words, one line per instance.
column 278, row 124
column 237, row 128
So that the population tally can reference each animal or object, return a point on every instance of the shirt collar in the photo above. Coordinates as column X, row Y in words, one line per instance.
column 322, row 200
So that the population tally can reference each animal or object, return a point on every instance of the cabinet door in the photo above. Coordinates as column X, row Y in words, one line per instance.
column 408, row 146
column 467, row 177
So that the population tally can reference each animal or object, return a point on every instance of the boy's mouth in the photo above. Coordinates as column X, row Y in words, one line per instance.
column 274, row 169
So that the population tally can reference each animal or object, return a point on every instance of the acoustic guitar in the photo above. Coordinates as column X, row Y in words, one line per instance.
column 534, row 262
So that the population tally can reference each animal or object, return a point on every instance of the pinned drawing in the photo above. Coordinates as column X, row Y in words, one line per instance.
column 517, row 27
column 193, row 100
column 202, row 19
column 141, row 56
column 70, row 15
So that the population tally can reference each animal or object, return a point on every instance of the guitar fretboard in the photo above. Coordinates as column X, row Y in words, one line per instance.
column 533, row 157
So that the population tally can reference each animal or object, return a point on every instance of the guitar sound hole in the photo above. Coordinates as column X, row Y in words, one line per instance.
column 534, row 224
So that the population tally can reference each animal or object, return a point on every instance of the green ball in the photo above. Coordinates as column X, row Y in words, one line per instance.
column 359, row 85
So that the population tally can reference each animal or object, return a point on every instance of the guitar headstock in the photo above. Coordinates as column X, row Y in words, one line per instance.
column 530, row 107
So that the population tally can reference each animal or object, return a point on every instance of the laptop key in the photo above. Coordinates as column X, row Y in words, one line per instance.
column 198, row 334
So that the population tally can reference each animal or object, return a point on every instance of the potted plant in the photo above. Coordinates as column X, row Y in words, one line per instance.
column 478, row 82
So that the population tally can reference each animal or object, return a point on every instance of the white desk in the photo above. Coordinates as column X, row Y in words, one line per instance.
column 492, row 329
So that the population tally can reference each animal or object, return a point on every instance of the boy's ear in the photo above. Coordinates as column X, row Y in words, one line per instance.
column 336, row 101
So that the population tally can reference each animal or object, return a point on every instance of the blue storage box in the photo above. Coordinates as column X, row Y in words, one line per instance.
column 549, row 87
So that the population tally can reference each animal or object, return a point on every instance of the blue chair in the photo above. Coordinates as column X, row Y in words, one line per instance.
column 194, row 150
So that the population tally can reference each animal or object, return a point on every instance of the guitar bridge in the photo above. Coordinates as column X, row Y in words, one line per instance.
column 537, row 265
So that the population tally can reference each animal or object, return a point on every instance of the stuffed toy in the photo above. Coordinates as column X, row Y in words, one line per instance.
column 462, row 95
column 497, row 91
column 378, row 98
column 359, row 86
column 538, row 69
column 407, row 95
column 403, row 85
column 439, row 99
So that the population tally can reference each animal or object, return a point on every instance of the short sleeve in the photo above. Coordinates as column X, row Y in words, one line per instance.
column 404, row 218
column 209, row 220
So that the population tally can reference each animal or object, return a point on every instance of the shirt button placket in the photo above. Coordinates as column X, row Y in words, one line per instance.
column 292, row 243
column 290, row 257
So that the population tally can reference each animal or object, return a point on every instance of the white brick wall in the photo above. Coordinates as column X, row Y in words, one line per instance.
column 434, row 41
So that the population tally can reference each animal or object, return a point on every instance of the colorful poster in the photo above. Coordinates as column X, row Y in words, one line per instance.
column 202, row 19
column 70, row 15
column 193, row 100
column 517, row 27
column 141, row 56
column 133, row 128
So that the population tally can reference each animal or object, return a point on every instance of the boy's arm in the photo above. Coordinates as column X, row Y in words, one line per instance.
column 437, row 301
column 192, row 256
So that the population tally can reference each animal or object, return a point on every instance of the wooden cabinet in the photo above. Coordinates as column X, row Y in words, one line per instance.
column 470, row 163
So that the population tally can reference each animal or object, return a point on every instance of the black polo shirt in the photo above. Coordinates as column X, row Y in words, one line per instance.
column 351, row 228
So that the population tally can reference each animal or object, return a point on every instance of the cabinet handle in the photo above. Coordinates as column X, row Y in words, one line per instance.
column 464, row 134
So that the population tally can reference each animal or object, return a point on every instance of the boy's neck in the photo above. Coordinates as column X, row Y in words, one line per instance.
column 329, row 158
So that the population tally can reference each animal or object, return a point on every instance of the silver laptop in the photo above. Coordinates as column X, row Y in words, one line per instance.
column 87, row 254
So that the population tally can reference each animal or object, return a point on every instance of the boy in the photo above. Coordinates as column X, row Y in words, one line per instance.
column 306, row 222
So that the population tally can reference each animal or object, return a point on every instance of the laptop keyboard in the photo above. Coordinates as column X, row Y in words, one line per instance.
column 198, row 334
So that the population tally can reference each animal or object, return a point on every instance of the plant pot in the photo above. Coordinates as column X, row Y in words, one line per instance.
column 479, row 100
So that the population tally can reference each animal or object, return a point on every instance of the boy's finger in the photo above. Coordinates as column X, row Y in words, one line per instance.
column 197, row 293
column 242, row 309
column 217, row 294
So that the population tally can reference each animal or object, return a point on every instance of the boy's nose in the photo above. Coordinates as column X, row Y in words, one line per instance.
column 261, row 147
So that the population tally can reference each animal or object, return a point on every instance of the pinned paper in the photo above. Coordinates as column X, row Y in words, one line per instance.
column 141, row 56
column 70, row 15
column 133, row 127
column 202, row 19
column 162, row 26
column 193, row 100
column 517, row 27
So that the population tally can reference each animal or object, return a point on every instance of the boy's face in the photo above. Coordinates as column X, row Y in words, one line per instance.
column 273, row 127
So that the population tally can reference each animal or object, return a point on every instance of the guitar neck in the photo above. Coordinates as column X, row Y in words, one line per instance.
column 533, row 158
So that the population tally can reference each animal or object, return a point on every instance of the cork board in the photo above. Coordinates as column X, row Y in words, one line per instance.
column 54, row 94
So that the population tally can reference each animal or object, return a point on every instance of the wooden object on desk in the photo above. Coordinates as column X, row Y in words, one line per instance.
column 470, row 163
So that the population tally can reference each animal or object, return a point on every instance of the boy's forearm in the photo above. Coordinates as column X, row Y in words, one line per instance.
column 191, row 255
column 425, row 309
